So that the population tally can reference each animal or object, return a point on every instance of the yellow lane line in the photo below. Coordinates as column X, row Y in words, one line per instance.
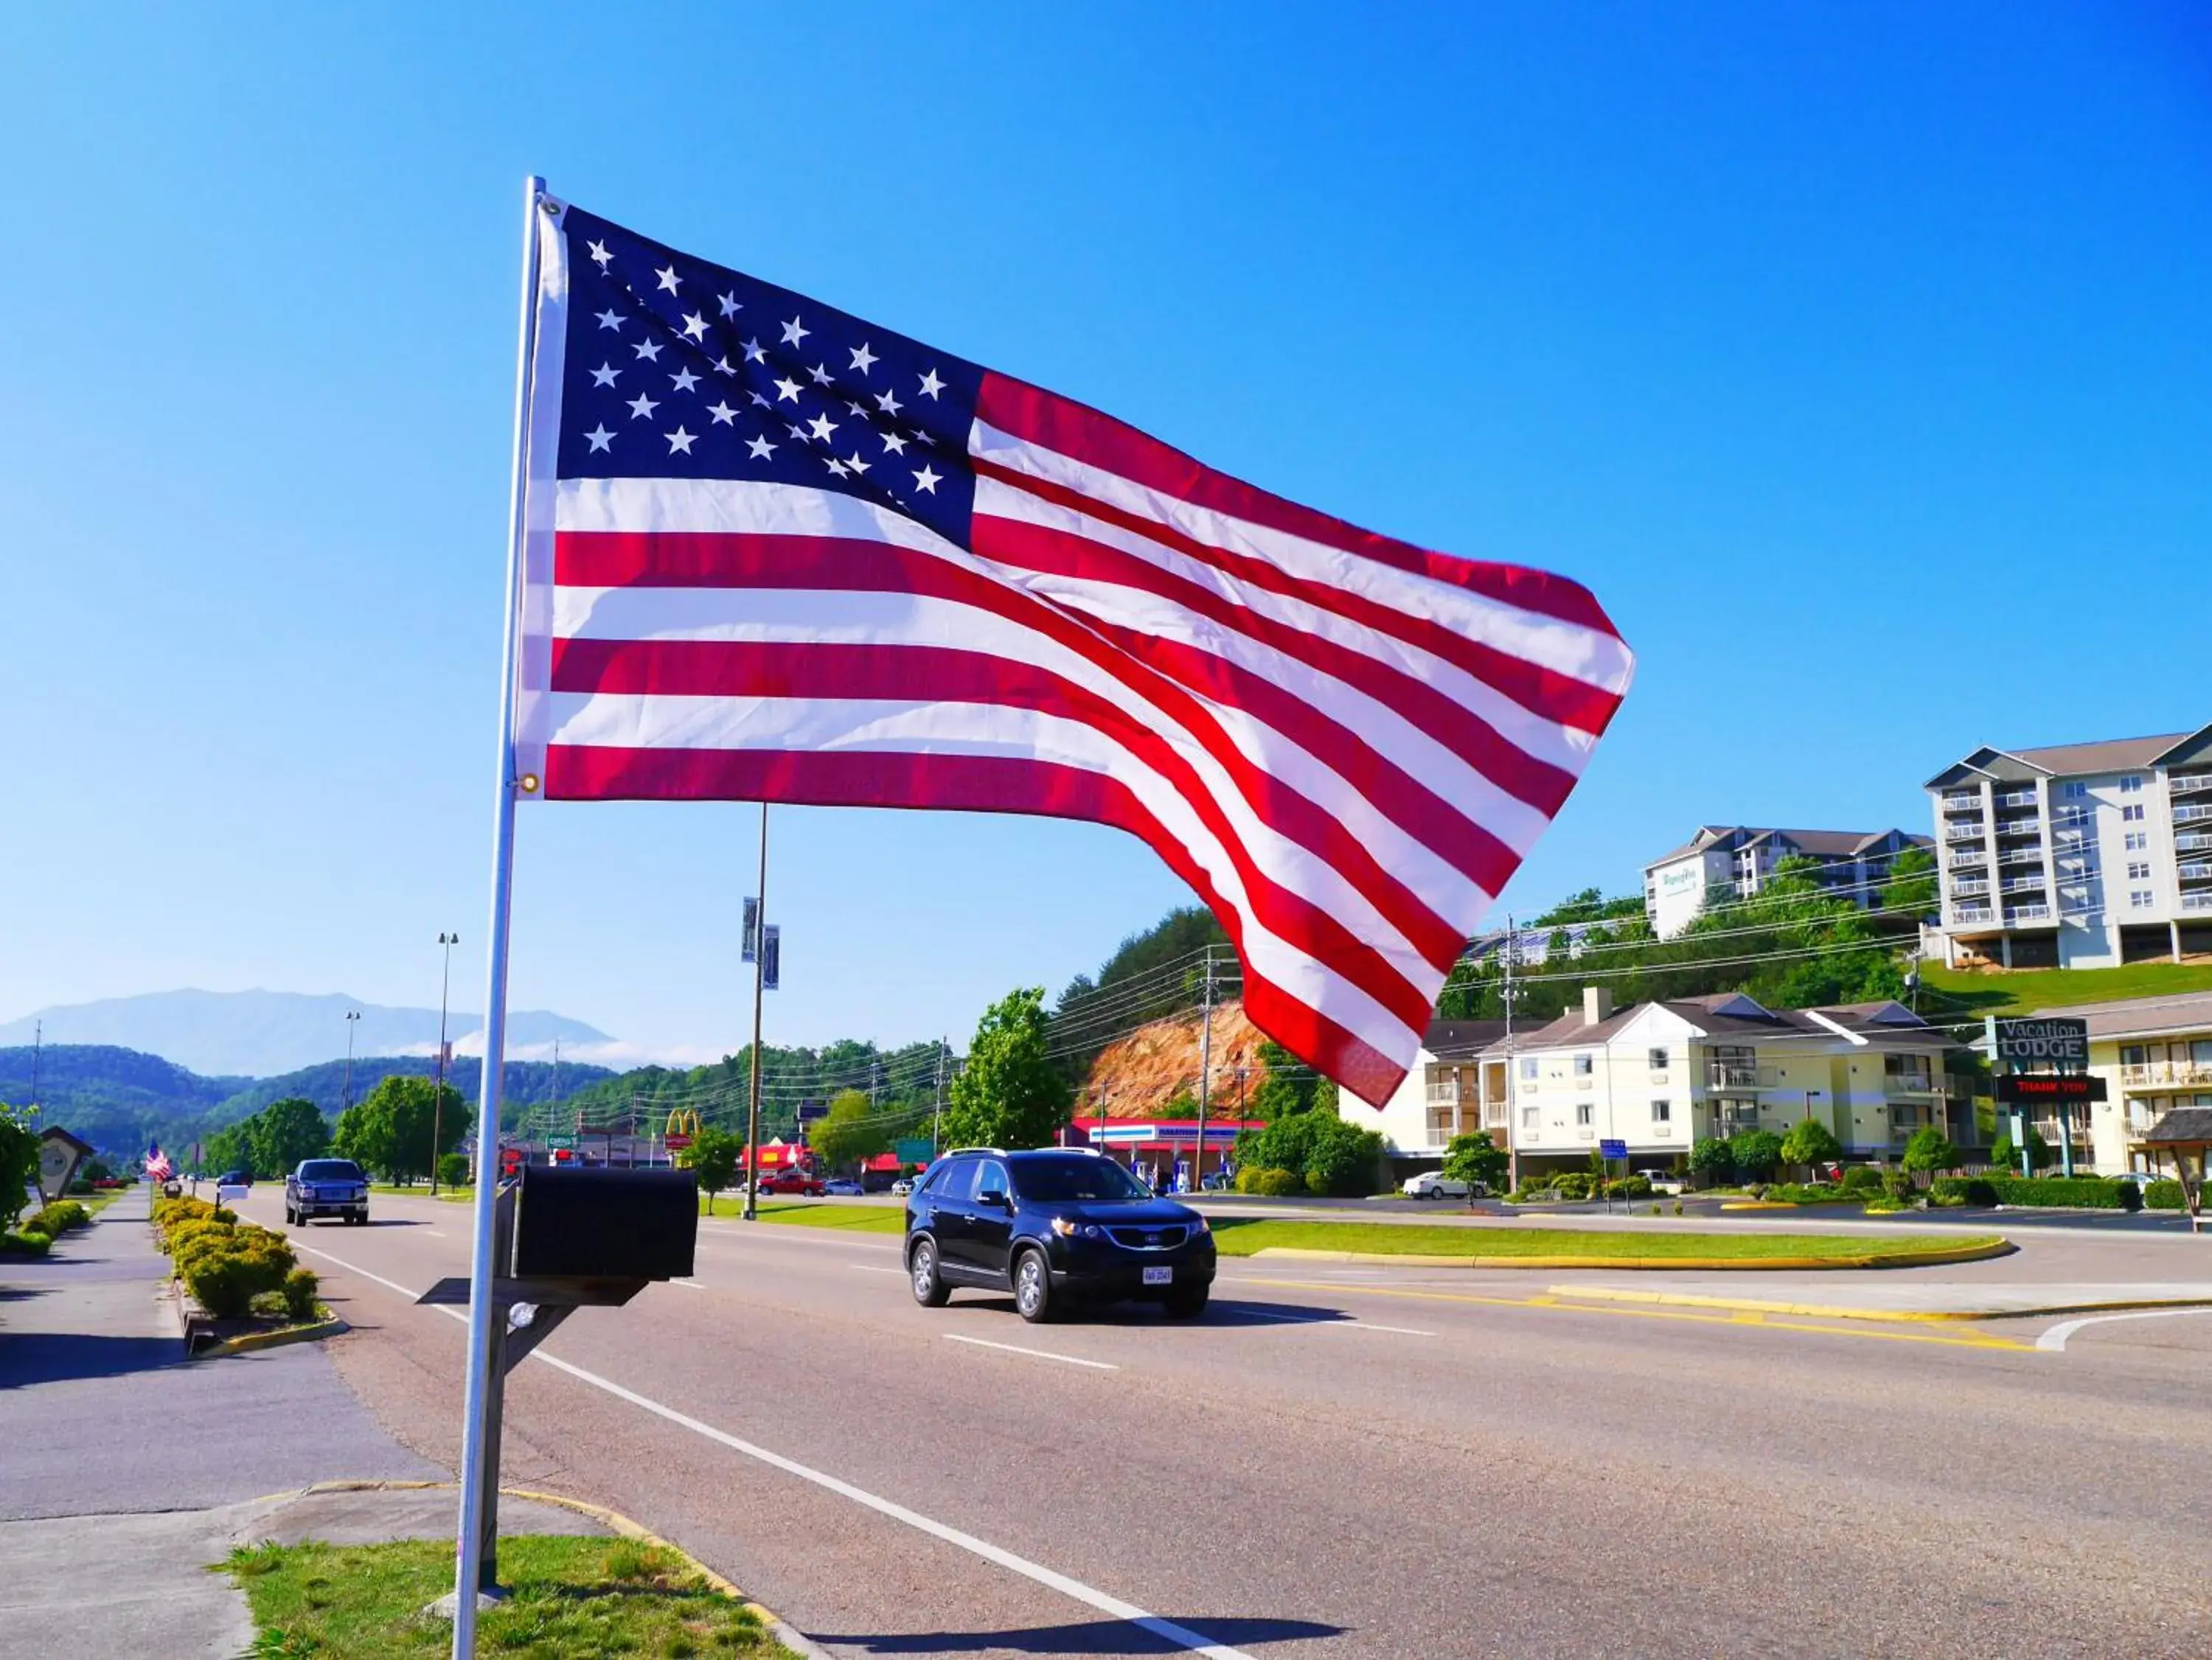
column 1553, row 1304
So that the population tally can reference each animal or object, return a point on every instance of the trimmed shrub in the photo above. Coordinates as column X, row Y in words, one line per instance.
column 1811, row 1193
column 2084, row 1192
column 1862, row 1179
column 1896, row 1184
column 59, row 1217
column 300, row 1288
column 1573, row 1184
column 1964, row 1189
column 453, row 1169
column 31, row 1244
column 1270, row 1184
column 1628, row 1187
column 2163, row 1195
column 1712, row 1161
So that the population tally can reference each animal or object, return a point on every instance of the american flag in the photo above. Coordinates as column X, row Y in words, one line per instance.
column 158, row 1167
column 774, row 552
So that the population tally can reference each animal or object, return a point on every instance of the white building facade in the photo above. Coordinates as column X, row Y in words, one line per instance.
column 2087, row 855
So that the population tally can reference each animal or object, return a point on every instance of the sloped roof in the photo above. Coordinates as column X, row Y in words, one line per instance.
column 1455, row 1041
column 2110, row 756
column 1823, row 844
column 2131, row 1017
column 1725, row 1015
column 2184, row 1125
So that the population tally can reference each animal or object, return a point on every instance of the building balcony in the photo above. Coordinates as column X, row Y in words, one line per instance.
column 1731, row 1074
column 1971, row 916
column 1963, row 801
column 2022, row 885
column 1446, row 1094
column 2200, row 900
column 2192, row 812
column 2069, row 835
column 2188, row 784
column 2193, row 841
column 2020, row 913
column 2016, row 797
column 1966, row 861
column 2021, row 855
column 1963, row 886
column 2019, row 826
column 2167, row 1075
column 2197, row 871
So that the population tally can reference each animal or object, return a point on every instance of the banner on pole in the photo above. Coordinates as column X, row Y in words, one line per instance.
column 771, row 957
column 751, row 942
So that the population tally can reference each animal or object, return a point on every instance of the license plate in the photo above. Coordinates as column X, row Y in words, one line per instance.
column 1159, row 1276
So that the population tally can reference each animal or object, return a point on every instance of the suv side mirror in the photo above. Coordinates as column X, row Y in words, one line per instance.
column 995, row 1200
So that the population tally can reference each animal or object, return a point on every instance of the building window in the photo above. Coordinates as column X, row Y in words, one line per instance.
column 2138, row 870
column 2073, row 790
column 2131, row 786
column 1583, row 1112
column 1658, row 1057
column 2139, row 898
column 2138, row 841
column 1662, row 1112
column 1528, row 1117
column 1584, row 1065
column 2133, row 812
column 1528, row 1068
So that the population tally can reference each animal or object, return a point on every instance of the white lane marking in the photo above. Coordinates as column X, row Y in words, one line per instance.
column 1370, row 1325
column 1182, row 1637
column 688, row 1285
column 435, row 1232
column 870, row 1268
column 2054, row 1341
column 354, row 1268
column 1039, row 1353
column 1346, row 1323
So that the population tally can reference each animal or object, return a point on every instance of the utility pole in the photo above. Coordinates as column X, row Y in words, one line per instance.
column 937, row 1119
column 438, row 1095
column 1512, row 1122
column 1205, row 1075
column 353, row 1017
column 760, row 967
column 875, row 1082
column 37, row 1045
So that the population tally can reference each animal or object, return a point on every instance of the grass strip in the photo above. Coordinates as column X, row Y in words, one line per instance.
column 859, row 1219
column 1237, row 1236
column 572, row 1596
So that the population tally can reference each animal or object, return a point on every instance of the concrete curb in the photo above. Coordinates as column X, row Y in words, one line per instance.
column 1831, row 1312
column 1971, row 1253
column 247, row 1342
column 797, row 1641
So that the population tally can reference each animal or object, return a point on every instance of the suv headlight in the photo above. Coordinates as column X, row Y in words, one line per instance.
column 1199, row 1225
column 1074, row 1230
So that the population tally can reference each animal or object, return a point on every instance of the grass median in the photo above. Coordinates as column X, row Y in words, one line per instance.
column 572, row 1596
column 1238, row 1236
column 853, row 1218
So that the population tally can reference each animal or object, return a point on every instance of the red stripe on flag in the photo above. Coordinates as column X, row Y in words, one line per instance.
column 1084, row 434
column 961, row 783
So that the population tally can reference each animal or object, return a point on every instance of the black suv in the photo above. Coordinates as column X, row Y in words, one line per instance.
column 1053, row 1225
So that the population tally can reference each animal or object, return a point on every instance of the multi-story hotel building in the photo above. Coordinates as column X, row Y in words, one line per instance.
column 2087, row 855
column 2154, row 1055
column 1738, row 860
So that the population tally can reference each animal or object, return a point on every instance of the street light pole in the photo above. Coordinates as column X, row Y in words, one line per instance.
column 438, row 1095
column 353, row 1017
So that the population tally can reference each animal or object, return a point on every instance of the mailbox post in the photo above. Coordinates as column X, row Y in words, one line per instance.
column 565, row 1239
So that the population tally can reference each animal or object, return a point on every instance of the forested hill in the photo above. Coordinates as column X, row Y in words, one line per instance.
column 902, row 1082
column 1155, row 972
column 120, row 1099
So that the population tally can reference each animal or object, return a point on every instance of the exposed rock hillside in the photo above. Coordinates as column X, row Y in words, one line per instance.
column 1142, row 1073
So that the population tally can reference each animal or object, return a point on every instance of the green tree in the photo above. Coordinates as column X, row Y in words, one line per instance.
column 1929, row 1152
column 713, row 1158
column 1910, row 890
column 1810, row 1142
column 392, row 1130
column 19, row 1161
column 2004, row 1153
column 1712, row 1160
column 229, row 1149
column 285, row 1132
column 1286, row 1089
column 1010, row 1093
column 1331, row 1156
column 1475, row 1158
column 849, row 1132
column 1757, row 1151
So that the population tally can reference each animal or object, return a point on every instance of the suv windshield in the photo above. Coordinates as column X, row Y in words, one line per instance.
column 330, row 1170
column 1075, row 1176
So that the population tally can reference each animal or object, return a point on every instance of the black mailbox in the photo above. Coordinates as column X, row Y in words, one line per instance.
column 604, row 1224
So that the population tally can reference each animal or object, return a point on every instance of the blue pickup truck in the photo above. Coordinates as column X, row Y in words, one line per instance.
column 327, row 1187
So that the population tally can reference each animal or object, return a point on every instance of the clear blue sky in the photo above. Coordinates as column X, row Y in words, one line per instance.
column 1860, row 359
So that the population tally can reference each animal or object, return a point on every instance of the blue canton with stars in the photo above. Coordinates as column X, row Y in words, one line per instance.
column 679, row 369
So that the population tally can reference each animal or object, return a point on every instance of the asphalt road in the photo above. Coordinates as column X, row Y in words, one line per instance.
column 1341, row 1461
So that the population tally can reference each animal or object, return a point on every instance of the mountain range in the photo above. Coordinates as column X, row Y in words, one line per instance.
column 247, row 1034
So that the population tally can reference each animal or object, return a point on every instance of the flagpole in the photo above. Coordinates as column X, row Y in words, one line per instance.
column 485, row 1342
column 753, row 1079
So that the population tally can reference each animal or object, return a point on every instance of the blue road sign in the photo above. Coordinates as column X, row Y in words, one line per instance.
column 1609, row 1149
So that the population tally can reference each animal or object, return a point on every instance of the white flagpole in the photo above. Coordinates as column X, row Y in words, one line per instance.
column 481, row 1337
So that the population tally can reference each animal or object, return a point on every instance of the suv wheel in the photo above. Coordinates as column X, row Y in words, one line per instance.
column 929, row 1288
column 291, row 1217
column 1033, row 1288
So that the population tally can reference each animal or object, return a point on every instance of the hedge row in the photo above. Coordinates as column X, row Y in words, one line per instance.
column 2088, row 1192
column 2163, row 1196
column 226, row 1264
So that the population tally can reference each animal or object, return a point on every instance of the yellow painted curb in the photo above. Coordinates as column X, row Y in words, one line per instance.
column 1973, row 1253
column 247, row 1343
column 1830, row 1311
column 785, row 1633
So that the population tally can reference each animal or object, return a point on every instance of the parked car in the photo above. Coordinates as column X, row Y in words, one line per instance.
column 327, row 1187
column 843, row 1188
column 234, row 1179
column 790, row 1181
column 1435, row 1184
column 1665, row 1181
column 1053, row 1226
column 903, row 1186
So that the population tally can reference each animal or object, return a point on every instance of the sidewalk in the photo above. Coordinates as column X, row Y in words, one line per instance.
column 128, row 1465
